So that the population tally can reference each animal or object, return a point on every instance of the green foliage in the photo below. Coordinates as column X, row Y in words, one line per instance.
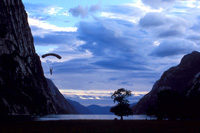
column 123, row 106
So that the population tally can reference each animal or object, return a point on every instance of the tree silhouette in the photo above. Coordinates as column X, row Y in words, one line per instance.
column 169, row 105
column 123, row 106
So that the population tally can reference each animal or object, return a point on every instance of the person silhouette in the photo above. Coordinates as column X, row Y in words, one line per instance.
column 51, row 70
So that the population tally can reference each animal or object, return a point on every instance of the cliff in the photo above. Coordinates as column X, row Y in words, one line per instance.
column 23, row 87
column 63, row 105
column 182, row 79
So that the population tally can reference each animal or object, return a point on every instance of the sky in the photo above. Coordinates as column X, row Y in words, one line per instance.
column 110, row 44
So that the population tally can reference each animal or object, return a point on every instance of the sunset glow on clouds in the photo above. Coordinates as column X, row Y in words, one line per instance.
column 107, row 45
column 98, row 95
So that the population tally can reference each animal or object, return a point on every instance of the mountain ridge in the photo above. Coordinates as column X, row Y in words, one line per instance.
column 95, row 109
column 176, row 78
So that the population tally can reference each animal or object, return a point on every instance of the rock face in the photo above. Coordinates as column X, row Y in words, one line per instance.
column 23, row 87
column 183, row 79
column 63, row 106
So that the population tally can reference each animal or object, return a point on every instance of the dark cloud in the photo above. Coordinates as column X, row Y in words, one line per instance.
column 121, row 64
column 174, row 47
column 75, row 66
column 194, row 37
column 55, row 38
column 170, row 33
column 114, row 42
column 124, row 10
column 196, row 27
column 79, row 11
column 126, row 83
column 84, row 11
column 48, row 37
column 113, row 79
column 158, row 3
column 95, row 8
column 153, row 20
column 108, row 38
column 160, row 26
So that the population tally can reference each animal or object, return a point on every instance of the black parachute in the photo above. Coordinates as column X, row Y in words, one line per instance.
column 51, row 54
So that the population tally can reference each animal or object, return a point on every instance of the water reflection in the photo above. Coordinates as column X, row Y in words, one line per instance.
column 91, row 117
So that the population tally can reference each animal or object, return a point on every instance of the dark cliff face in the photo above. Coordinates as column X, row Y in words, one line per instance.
column 178, row 79
column 23, row 87
column 62, row 105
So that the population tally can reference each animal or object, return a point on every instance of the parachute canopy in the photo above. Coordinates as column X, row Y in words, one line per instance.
column 51, row 54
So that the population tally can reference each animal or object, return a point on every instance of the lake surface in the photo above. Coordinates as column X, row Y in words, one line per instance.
column 91, row 117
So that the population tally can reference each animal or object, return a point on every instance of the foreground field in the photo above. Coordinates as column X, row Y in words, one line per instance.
column 100, row 126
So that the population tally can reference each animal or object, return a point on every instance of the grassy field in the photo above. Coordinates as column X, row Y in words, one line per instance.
column 91, row 126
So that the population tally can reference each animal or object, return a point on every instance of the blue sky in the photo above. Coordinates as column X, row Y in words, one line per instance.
column 107, row 45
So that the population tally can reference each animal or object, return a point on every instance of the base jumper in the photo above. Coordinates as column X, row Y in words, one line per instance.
column 51, row 70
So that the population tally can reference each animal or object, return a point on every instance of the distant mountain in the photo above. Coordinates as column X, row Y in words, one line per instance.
column 80, row 108
column 92, row 109
column 95, row 109
column 184, row 80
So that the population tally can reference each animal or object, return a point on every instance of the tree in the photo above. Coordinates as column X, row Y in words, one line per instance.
column 169, row 105
column 123, row 107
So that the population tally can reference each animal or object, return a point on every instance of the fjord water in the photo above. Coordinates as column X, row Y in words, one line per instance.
column 91, row 117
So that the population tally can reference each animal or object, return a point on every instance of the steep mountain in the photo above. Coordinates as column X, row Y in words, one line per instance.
column 79, row 107
column 183, row 79
column 23, row 87
column 95, row 109
column 133, row 104
column 63, row 105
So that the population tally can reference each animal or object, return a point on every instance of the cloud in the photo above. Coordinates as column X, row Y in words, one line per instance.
column 123, row 65
column 153, row 20
column 110, row 38
column 124, row 9
column 160, row 26
column 44, row 11
column 158, row 3
column 196, row 27
column 44, row 25
column 94, row 8
column 79, row 11
column 170, row 33
column 56, row 38
column 174, row 47
column 122, row 12
column 194, row 37
column 102, row 98
column 113, row 41
column 126, row 83
column 84, row 11
column 56, row 11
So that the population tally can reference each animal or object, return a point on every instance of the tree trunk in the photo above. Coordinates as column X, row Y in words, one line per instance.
column 121, row 117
